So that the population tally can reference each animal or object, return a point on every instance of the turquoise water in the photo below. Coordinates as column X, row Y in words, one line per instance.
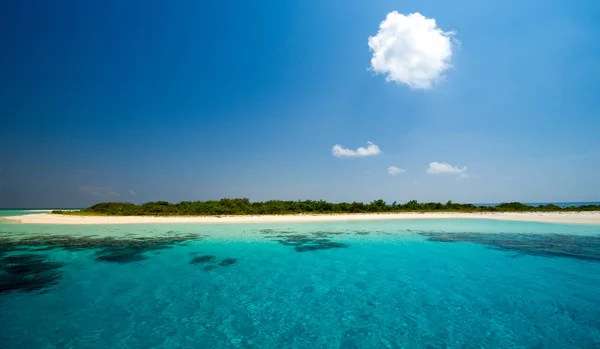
column 12, row 212
column 560, row 204
column 373, row 284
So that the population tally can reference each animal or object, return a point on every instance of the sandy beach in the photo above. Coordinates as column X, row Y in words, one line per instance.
column 548, row 217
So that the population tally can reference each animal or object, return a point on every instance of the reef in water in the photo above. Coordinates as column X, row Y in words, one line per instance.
column 202, row 259
column 28, row 272
column 228, row 261
column 545, row 245
column 124, row 254
column 212, row 262
column 71, row 242
column 305, row 242
column 24, row 268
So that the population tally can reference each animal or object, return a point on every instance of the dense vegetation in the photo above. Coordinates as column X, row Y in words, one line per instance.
column 245, row 207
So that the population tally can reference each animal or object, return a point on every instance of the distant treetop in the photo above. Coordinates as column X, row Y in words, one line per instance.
column 274, row 207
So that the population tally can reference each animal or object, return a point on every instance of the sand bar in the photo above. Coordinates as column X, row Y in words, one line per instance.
column 548, row 217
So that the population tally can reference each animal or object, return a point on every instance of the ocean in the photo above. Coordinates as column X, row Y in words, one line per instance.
column 559, row 204
column 368, row 284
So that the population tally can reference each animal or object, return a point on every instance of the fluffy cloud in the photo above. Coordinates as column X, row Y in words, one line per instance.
column 411, row 50
column 370, row 150
column 446, row 168
column 393, row 170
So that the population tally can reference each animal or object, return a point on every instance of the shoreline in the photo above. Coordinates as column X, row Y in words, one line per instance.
column 589, row 217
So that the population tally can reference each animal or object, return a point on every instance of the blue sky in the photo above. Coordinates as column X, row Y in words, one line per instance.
column 192, row 100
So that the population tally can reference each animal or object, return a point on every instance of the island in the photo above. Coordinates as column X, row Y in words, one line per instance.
column 280, row 207
column 279, row 211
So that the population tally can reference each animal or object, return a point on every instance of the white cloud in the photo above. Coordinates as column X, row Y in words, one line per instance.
column 446, row 168
column 131, row 192
column 411, row 50
column 370, row 150
column 393, row 170
column 89, row 189
column 98, row 191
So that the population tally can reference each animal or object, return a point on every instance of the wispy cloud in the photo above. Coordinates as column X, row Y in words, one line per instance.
column 131, row 192
column 98, row 191
column 411, row 50
column 393, row 170
column 370, row 150
column 89, row 189
column 446, row 168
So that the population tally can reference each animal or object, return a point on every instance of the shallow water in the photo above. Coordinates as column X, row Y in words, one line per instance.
column 369, row 284
column 13, row 212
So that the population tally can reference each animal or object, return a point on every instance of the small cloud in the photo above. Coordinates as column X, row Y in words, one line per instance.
column 98, row 191
column 131, row 192
column 411, row 50
column 370, row 150
column 416, row 182
column 89, row 189
column 393, row 170
column 446, row 168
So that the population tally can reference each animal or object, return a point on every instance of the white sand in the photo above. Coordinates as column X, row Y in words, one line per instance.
column 549, row 217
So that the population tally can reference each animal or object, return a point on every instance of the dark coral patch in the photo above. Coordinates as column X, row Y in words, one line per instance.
column 120, row 255
column 33, row 272
column 70, row 242
column 44, row 248
column 293, row 240
column 115, row 250
column 305, row 243
column 320, row 246
column 202, row 259
column 544, row 245
column 267, row 231
column 28, row 272
column 228, row 261
column 132, row 250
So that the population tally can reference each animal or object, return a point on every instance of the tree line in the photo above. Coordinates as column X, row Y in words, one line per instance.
column 275, row 207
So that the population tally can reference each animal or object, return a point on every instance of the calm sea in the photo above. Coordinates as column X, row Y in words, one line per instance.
column 559, row 204
column 21, row 211
column 371, row 284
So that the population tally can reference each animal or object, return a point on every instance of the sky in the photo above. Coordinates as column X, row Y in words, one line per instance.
column 352, row 100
